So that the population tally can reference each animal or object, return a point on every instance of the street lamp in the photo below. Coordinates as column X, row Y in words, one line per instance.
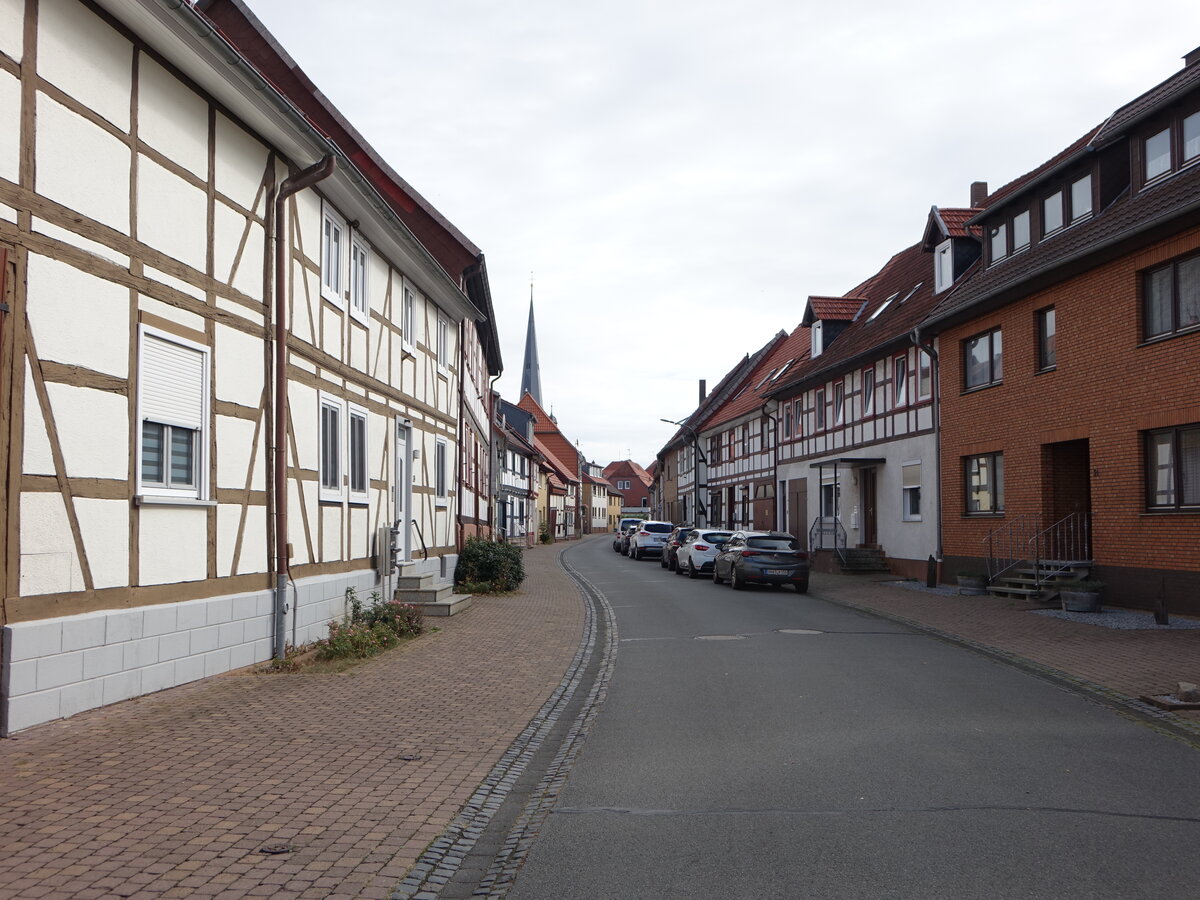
column 700, row 458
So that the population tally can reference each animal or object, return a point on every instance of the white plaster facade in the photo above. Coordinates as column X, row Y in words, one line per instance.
column 144, row 223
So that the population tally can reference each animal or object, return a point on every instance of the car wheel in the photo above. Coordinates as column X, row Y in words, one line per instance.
column 734, row 581
column 801, row 586
column 692, row 573
column 662, row 561
column 672, row 563
column 716, row 577
column 637, row 553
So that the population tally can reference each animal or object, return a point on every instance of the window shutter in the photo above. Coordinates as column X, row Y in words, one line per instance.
column 172, row 383
column 912, row 475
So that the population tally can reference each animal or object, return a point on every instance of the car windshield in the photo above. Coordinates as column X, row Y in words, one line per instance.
column 715, row 537
column 773, row 543
column 657, row 527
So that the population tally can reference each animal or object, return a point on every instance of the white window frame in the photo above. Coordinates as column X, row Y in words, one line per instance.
column 441, row 472
column 354, row 411
column 442, row 348
column 333, row 271
column 335, row 405
column 1021, row 231
column 900, row 381
column 160, row 492
column 908, row 490
column 360, row 280
column 924, row 375
column 408, row 319
column 943, row 267
column 869, row 397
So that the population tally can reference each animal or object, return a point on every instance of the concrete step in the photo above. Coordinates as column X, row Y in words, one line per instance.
column 430, row 593
column 450, row 605
column 415, row 582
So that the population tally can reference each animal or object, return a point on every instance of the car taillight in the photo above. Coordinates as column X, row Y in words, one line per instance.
column 699, row 546
column 644, row 534
column 750, row 553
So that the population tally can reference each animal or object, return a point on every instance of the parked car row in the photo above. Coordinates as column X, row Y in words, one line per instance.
column 737, row 557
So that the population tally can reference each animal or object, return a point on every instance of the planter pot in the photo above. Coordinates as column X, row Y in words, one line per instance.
column 971, row 584
column 1080, row 601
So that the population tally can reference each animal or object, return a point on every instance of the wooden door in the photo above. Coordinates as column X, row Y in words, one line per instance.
column 870, row 529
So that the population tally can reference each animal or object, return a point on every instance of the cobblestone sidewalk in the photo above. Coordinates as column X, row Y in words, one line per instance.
column 176, row 794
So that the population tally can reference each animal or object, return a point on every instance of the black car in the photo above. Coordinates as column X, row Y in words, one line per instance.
column 668, row 560
column 762, row 557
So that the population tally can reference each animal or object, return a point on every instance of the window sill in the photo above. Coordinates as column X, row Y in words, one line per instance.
column 1179, row 511
column 407, row 348
column 333, row 300
column 984, row 515
column 1170, row 335
column 1045, row 371
column 980, row 387
column 359, row 501
column 443, row 372
column 358, row 317
column 162, row 500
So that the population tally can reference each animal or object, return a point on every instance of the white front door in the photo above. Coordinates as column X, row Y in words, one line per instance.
column 402, row 490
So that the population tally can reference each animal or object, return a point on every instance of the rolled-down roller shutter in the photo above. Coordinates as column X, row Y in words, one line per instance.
column 172, row 383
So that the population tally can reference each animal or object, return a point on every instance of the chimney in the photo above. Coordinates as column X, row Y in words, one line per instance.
column 979, row 193
column 703, row 389
column 1192, row 58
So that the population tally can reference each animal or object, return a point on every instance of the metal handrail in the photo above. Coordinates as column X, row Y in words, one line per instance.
column 1060, row 547
column 1007, row 547
column 424, row 549
column 828, row 527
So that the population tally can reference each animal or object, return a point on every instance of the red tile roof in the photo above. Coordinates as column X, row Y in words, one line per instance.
column 898, row 297
column 557, row 466
column 788, row 355
column 841, row 309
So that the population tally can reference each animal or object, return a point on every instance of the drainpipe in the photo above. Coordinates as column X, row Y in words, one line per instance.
column 935, row 376
column 462, row 433
column 300, row 181
column 774, row 459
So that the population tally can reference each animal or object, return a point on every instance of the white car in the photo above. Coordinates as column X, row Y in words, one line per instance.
column 698, row 552
column 649, row 538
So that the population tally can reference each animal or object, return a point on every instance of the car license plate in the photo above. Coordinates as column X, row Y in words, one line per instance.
column 778, row 572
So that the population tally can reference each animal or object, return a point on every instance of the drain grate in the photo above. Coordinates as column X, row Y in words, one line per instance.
column 798, row 631
column 720, row 637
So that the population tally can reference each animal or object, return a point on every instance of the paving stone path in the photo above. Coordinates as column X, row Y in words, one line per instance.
column 176, row 794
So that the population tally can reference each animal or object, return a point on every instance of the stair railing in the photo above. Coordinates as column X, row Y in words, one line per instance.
column 1061, row 547
column 1008, row 546
column 424, row 549
column 827, row 533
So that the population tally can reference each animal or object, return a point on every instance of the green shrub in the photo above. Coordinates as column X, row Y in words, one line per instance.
column 368, row 630
column 493, row 563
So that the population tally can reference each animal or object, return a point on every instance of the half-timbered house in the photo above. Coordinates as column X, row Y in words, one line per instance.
column 230, row 366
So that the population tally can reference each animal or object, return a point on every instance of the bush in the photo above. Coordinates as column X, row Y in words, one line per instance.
column 368, row 630
column 497, row 565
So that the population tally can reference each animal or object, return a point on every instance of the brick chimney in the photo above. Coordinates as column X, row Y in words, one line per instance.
column 1192, row 58
column 979, row 193
column 703, row 389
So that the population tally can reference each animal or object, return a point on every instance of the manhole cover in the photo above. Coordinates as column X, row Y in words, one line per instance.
column 798, row 631
column 276, row 849
column 720, row 637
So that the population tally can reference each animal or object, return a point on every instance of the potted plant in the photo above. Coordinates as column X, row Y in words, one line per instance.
column 971, row 583
column 1081, row 596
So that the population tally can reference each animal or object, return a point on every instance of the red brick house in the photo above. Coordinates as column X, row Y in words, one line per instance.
column 1070, row 426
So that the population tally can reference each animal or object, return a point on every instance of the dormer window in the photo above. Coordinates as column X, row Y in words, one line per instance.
column 943, row 271
column 1191, row 137
column 1081, row 199
column 1158, row 154
column 1052, row 213
column 998, row 241
column 1020, row 225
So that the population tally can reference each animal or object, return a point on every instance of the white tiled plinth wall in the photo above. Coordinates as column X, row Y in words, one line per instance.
column 54, row 668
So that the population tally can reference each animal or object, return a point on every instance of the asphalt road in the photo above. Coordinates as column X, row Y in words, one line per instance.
column 733, row 759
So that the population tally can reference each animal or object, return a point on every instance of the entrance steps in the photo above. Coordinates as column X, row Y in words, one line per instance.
column 427, row 591
column 864, row 560
column 1041, row 584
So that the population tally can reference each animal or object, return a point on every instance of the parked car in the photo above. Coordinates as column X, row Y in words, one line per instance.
column 762, row 557
column 649, row 537
column 621, row 535
column 667, row 558
column 698, row 551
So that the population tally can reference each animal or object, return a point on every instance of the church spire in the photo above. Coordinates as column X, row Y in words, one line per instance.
column 531, row 373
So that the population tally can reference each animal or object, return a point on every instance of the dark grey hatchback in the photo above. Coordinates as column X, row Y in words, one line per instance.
column 762, row 557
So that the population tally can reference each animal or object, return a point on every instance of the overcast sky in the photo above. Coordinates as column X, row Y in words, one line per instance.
column 679, row 176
